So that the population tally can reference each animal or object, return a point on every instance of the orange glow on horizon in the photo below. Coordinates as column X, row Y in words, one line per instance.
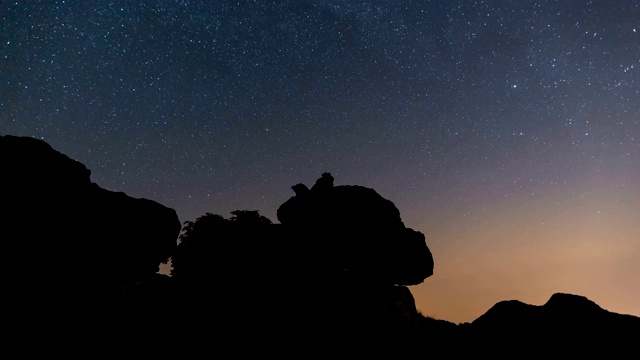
column 586, row 246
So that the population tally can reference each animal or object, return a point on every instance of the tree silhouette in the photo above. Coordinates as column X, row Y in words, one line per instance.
column 249, row 218
column 212, row 242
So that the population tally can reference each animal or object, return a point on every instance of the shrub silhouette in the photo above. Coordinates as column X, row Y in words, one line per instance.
column 212, row 243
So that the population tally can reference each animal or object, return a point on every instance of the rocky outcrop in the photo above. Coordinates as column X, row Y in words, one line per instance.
column 355, row 244
column 355, row 229
column 330, row 280
column 327, row 279
column 66, row 239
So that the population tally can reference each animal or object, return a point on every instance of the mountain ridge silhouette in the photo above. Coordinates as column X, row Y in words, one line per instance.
column 559, row 303
column 566, row 325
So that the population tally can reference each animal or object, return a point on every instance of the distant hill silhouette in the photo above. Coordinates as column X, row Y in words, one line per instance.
column 567, row 324
column 330, row 279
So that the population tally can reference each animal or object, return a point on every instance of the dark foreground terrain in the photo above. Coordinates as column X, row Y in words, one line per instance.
column 329, row 279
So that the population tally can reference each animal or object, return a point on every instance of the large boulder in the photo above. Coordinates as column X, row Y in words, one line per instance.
column 358, row 256
column 357, row 230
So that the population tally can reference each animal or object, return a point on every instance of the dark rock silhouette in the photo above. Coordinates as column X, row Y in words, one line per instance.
column 357, row 230
column 71, row 246
column 325, row 182
column 300, row 188
column 328, row 275
column 81, row 268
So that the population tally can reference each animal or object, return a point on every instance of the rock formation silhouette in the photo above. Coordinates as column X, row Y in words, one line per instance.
column 357, row 230
column 71, row 246
column 329, row 275
column 359, row 254
column 330, row 279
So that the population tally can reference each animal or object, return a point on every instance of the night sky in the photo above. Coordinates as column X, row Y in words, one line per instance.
column 508, row 132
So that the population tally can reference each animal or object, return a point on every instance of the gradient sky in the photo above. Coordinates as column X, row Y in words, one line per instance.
column 508, row 132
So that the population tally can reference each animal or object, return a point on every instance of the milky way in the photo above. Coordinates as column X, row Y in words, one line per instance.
column 506, row 131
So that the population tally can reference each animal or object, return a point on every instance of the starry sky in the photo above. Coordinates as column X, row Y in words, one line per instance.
column 506, row 131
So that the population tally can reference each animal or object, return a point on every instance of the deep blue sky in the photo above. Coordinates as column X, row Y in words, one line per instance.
column 496, row 127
